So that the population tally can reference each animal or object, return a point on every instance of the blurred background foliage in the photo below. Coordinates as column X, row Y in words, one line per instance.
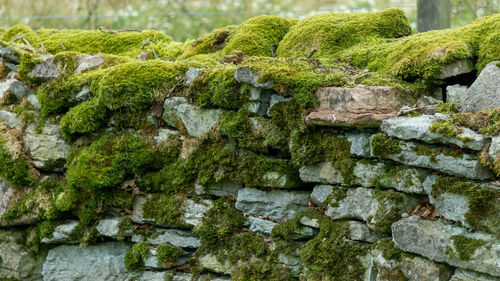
column 188, row 19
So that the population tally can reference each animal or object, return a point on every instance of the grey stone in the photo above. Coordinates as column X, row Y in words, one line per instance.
column 322, row 172
column 261, row 225
column 417, row 128
column 360, row 144
column 11, row 119
column 137, row 215
column 493, row 151
column 9, row 53
column 359, row 231
column 427, row 101
column 466, row 275
column 176, row 237
column 276, row 179
column 17, row 262
column 191, row 74
column 83, row 95
column 87, row 62
column 219, row 189
column 484, row 92
column 260, row 95
column 246, row 75
column 276, row 204
column 152, row 261
column 97, row 262
column 10, row 195
column 46, row 69
column 414, row 268
column 257, row 108
column 292, row 262
column 455, row 93
column 33, row 100
column 304, row 220
column 112, row 228
column 193, row 120
column 274, row 100
column 210, row 262
column 47, row 149
column 467, row 165
column 372, row 206
column 434, row 240
column 457, row 68
column 12, row 87
column 194, row 212
column 320, row 194
column 62, row 233
column 164, row 134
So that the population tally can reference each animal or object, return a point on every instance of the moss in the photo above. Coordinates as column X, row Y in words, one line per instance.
column 383, row 146
column 464, row 247
column 236, row 125
column 168, row 255
column 265, row 137
column 434, row 152
column 220, row 223
column 424, row 55
column 255, row 36
column 258, row 269
column 210, row 43
column 314, row 147
column 124, row 225
column 42, row 230
column 445, row 128
column 391, row 205
column 14, row 169
column 481, row 203
column 82, row 119
column 447, row 108
column 135, row 257
column 166, row 210
column 21, row 30
column 486, row 122
column 108, row 161
column 332, row 33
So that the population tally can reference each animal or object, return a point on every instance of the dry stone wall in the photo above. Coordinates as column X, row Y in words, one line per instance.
column 157, row 164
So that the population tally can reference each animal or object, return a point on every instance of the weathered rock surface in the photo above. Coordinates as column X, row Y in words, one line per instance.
column 413, row 268
column 455, row 93
column 8, row 196
column 97, row 262
column 465, row 275
column 188, row 118
column 62, row 234
column 466, row 165
column 360, row 144
column 457, row 68
column 322, row 172
column 210, row 262
column 46, row 69
column 11, row 119
column 261, row 226
column 361, row 106
column 447, row 243
column 191, row 74
column 222, row 188
column 246, row 75
column 164, row 134
column 33, row 100
column 417, row 128
column 17, row 262
column 114, row 227
column 493, row 151
column 484, row 92
column 12, row 90
column 9, row 53
column 178, row 238
column 47, row 149
column 87, row 62
column 276, row 204
column 359, row 231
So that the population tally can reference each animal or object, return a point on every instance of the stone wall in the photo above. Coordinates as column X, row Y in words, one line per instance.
column 219, row 172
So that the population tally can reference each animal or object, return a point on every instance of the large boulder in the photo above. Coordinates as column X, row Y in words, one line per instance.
column 47, row 148
column 484, row 92
column 448, row 243
column 361, row 106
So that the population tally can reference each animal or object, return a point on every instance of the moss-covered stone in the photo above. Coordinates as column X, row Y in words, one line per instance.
column 314, row 147
column 14, row 169
column 383, row 145
column 168, row 254
column 464, row 247
column 135, row 257
column 332, row 33
column 166, row 210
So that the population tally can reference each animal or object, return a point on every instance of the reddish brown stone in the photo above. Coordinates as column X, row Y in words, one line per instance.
column 361, row 106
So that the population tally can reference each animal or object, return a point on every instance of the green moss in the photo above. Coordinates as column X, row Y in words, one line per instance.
column 236, row 125
column 38, row 232
column 21, row 30
column 166, row 210
column 210, row 43
column 135, row 257
column 314, row 147
column 338, row 194
column 168, row 254
column 108, row 161
column 424, row 55
column 391, row 205
column 383, row 146
column 332, row 33
column 433, row 152
column 255, row 36
column 265, row 137
column 445, row 128
column 464, row 247
column 82, row 119
column 258, row 269
column 447, row 108
column 14, row 169
column 481, row 203
column 220, row 223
